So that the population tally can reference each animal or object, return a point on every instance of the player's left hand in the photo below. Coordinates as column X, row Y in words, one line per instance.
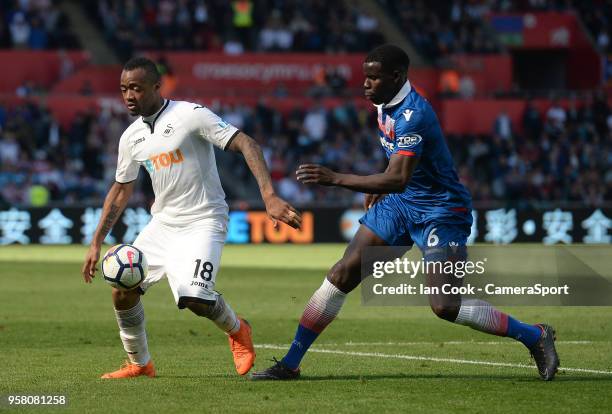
column 315, row 174
column 279, row 209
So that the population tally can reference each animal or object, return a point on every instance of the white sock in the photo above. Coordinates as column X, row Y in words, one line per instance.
column 224, row 317
column 480, row 315
column 132, row 332
column 323, row 307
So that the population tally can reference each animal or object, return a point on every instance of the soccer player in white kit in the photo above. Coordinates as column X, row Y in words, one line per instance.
column 183, row 241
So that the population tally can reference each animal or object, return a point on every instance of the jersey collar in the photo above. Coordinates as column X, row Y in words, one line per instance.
column 403, row 92
column 150, row 120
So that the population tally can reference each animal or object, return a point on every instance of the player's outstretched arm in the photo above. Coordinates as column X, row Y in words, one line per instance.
column 276, row 207
column 114, row 204
column 393, row 180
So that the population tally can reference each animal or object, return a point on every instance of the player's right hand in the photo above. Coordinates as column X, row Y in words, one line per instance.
column 279, row 209
column 91, row 260
column 371, row 199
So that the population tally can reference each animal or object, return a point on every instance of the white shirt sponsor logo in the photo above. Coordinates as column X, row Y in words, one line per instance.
column 409, row 141
column 386, row 144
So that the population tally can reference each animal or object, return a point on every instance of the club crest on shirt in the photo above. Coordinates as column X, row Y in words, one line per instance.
column 168, row 131
column 388, row 127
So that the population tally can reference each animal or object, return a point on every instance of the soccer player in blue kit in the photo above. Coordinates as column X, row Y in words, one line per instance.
column 417, row 199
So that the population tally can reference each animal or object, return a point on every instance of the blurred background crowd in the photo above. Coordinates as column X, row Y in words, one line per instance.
column 563, row 153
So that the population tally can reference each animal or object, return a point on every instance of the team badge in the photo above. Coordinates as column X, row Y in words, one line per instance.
column 168, row 131
column 390, row 127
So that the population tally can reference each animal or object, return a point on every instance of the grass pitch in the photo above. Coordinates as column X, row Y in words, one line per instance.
column 57, row 335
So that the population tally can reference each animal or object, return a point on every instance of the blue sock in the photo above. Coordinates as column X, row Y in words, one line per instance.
column 523, row 332
column 304, row 337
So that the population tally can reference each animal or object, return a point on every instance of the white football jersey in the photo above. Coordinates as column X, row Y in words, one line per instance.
column 175, row 147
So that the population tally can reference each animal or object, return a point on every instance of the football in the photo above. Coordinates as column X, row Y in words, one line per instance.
column 124, row 267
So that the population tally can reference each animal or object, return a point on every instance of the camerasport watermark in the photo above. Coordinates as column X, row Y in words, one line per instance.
column 504, row 275
column 489, row 289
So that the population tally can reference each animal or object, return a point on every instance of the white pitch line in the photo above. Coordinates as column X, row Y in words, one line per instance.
column 447, row 343
column 432, row 359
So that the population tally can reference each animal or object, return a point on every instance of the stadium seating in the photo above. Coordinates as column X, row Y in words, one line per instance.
column 61, row 116
column 235, row 26
column 35, row 25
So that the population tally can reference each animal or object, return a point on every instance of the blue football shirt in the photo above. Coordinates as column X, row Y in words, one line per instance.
column 409, row 126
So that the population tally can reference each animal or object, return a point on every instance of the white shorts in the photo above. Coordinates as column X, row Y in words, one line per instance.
column 189, row 256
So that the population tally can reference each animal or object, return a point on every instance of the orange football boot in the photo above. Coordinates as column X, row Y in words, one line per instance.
column 129, row 370
column 241, row 345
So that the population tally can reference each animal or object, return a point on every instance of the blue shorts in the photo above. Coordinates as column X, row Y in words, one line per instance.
column 389, row 219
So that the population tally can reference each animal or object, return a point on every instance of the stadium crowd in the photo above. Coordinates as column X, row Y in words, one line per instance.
column 563, row 154
column 439, row 27
column 236, row 26
column 34, row 24
column 436, row 28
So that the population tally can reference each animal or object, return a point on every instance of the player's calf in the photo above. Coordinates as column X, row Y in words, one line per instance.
column 446, row 312
column 218, row 311
column 131, row 321
column 344, row 275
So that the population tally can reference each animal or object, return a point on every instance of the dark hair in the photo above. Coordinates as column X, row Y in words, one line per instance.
column 147, row 65
column 390, row 57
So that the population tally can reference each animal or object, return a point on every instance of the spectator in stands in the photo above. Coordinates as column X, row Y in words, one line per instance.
column 467, row 87
column 169, row 81
column 233, row 46
column 20, row 30
column 556, row 116
column 335, row 81
column 242, row 21
column 315, row 123
column 532, row 122
column 503, row 126
column 448, row 85
column 275, row 36
column 38, row 36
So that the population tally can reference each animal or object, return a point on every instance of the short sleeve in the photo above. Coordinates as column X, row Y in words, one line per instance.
column 127, row 167
column 211, row 127
column 409, row 132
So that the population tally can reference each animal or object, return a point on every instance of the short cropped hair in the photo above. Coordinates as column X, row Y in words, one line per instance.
column 390, row 57
column 147, row 65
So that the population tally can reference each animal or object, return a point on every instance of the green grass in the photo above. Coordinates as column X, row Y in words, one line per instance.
column 57, row 335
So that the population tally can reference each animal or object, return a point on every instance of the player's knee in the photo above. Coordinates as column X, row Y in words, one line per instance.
column 446, row 312
column 125, row 299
